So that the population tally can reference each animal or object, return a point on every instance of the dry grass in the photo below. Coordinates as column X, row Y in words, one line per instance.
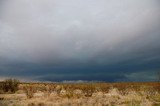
column 84, row 94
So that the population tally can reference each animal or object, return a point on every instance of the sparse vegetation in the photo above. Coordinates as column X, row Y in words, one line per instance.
column 82, row 94
column 9, row 86
column 30, row 90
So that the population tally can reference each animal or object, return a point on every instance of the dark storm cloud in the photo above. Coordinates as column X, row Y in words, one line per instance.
column 80, row 40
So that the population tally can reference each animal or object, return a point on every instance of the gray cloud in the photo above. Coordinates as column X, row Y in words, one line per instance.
column 40, row 38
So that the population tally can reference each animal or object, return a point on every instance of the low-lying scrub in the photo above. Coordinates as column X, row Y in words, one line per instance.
column 84, row 94
column 9, row 86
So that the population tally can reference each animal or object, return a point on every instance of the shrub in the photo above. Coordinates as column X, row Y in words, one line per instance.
column 30, row 90
column 88, row 89
column 10, row 85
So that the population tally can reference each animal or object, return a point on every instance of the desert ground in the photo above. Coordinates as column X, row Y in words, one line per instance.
column 13, row 93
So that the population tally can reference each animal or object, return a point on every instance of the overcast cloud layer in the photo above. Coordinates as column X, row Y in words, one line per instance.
column 101, row 40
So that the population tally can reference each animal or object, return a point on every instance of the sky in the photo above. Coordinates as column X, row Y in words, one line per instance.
column 80, row 40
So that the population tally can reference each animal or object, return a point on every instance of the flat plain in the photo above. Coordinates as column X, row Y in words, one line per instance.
column 82, row 94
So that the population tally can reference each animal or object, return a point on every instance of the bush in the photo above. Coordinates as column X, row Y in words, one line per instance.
column 10, row 85
column 30, row 90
